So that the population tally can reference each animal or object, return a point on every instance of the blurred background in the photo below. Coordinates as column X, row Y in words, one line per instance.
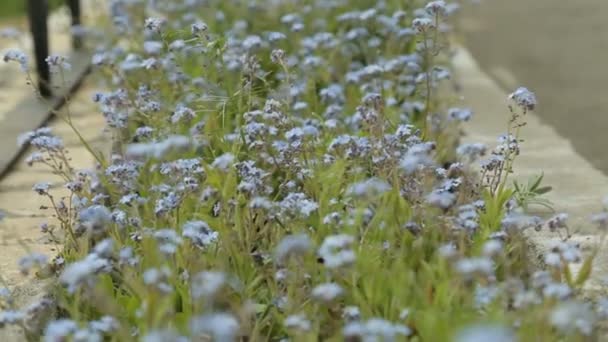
column 16, row 9
column 556, row 48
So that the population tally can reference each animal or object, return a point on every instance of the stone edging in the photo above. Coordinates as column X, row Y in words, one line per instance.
column 578, row 188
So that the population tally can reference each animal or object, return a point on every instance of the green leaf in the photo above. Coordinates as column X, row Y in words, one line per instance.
column 568, row 275
column 503, row 197
column 516, row 185
column 585, row 270
column 543, row 203
column 537, row 182
column 543, row 190
column 260, row 308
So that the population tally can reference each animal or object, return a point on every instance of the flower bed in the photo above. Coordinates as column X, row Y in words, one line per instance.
column 287, row 170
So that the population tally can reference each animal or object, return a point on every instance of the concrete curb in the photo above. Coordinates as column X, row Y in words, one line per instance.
column 33, row 113
column 21, row 110
column 578, row 186
column 20, row 230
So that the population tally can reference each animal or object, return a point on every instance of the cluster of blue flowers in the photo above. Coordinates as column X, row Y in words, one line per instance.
column 267, row 160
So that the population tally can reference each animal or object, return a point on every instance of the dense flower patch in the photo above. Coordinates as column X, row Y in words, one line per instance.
column 287, row 170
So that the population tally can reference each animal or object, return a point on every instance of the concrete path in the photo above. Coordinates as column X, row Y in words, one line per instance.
column 21, row 111
column 578, row 186
column 557, row 48
column 13, row 86
column 20, row 108
column 20, row 229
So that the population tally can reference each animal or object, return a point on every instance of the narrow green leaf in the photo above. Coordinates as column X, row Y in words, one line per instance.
column 568, row 275
column 543, row 190
column 537, row 182
column 585, row 270
column 516, row 185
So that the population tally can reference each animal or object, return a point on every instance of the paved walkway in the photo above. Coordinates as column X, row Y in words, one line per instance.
column 20, row 109
column 13, row 87
column 559, row 49
column 578, row 186
column 19, row 230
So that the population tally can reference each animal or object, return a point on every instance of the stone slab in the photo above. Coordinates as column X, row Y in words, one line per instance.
column 33, row 112
column 578, row 186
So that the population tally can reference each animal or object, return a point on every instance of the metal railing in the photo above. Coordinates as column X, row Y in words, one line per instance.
column 38, row 11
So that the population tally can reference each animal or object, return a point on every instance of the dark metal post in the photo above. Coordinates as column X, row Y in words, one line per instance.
column 75, row 10
column 38, row 12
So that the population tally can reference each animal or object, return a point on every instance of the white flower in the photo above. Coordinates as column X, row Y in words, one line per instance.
column 276, row 36
column 159, row 149
column 557, row 290
column 524, row 98
column 207, row 284
column 573, row 316
column 168, row 240
column 569, row 251
column 158, row 278
column 292, row 245
column 327, row 292
column 95, row 218
column 553, row 260
column 105, row 324
column 17, row 56
column 485, row 333
column 471, row 266
column 223, row 162
column 375, row 329
column 517, row 222
column 436, row 7
column 199, row 233
column 471, row 151
column 104, row 248
column 447, row 251
column 601, row 220
column 404, row 314
column 441, row 199
column 492, row 248
column 11, row 317
column 335, row 251
column 485, row 295
column 58, row 63
column 164, row 336
column 351, row 313
column 59, row 330
column 31, row 261
column 416, row 158
column 10, row 33
column 222, row 327
column 198, row 28
column 602, row 308
column 261, row 203
column 297, row 322
column 42, row 188
column 369, row 187
column 524, row 299
column 154, row 24
column 182, row 114
column 298, row 203
column 81, row 272
column 460, row 114
column 558, row 221
column 423, row 24
column 252, row 42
